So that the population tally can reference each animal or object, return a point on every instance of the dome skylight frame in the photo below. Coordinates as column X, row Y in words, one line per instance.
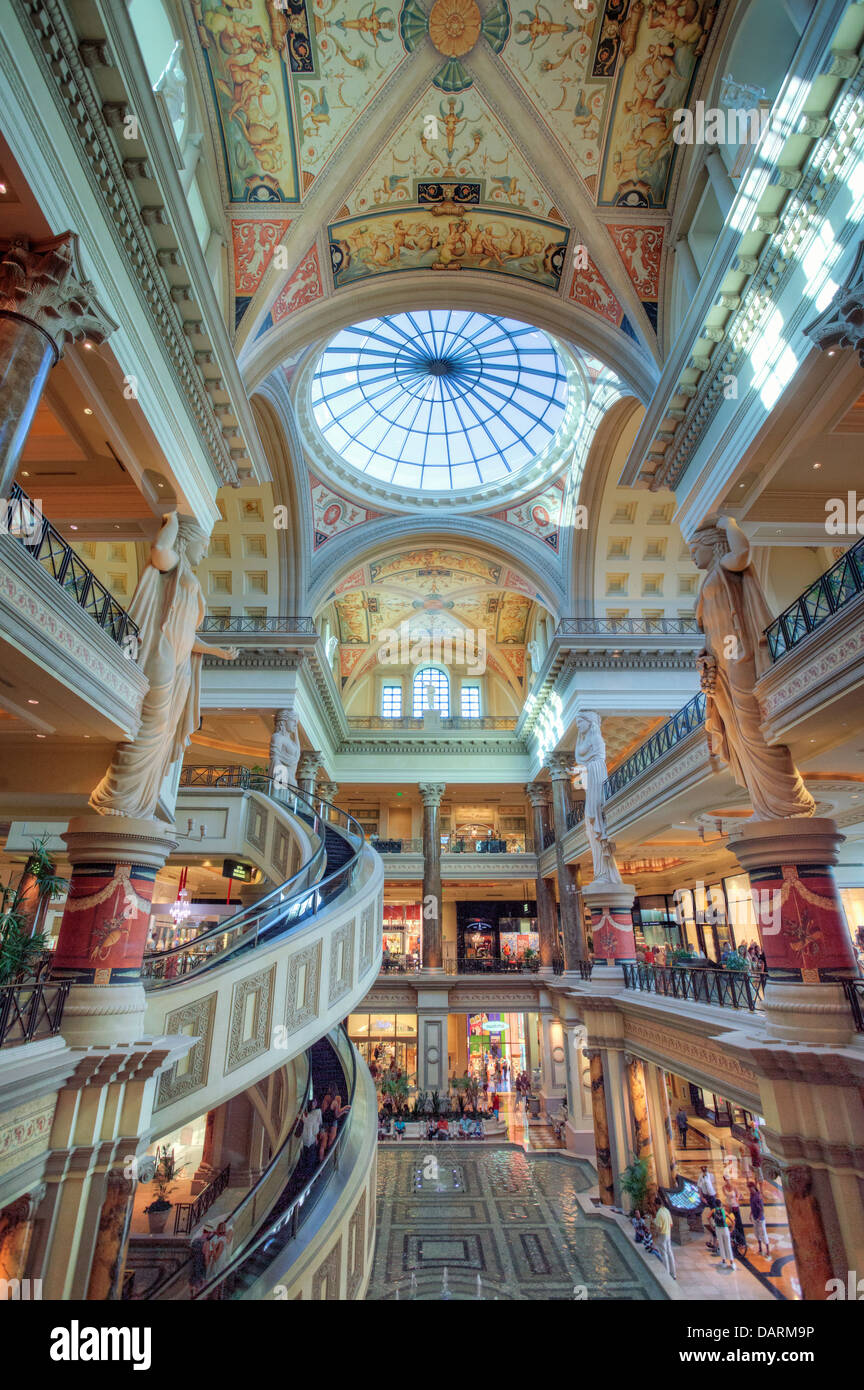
column 475, row 367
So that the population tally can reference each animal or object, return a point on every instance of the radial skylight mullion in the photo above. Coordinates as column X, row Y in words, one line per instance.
column 464, row 400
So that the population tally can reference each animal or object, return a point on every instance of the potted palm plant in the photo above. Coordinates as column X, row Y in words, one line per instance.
column 164, row 1183
column 22, row 912
column 634, row 1181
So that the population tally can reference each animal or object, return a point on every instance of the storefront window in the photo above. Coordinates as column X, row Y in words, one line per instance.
column 853, row 906
column 382, row 1039
column 496, row 1047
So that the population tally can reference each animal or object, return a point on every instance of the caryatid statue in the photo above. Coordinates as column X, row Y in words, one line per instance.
column 168, row 608
column 284, row 749
column 733, row 614
column 590, row 773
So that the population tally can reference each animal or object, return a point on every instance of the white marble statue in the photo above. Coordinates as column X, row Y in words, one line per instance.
column 733, row 615
column 168, row 608
column 284, row 749
column 590, row 770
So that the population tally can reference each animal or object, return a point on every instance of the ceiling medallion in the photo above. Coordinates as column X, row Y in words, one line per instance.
column 454, row 26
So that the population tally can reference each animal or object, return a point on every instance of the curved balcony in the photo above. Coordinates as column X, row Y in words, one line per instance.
column 263, row 985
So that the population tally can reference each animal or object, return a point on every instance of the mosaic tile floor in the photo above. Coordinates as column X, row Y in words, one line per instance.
column 496, row 1224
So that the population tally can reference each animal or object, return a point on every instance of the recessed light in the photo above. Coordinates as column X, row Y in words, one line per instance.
column 32, row 702
column 73, row 528
column 40, row 735
column 88, row 345
column 2, row 188
column 830, row 352
column 817, row 465
column 24, row 473
column 87, row 410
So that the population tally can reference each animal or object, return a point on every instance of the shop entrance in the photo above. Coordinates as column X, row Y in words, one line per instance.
column 496, row 1048
column 384, row 1038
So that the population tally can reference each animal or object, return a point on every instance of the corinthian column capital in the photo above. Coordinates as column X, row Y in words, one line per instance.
column 431, row 793
column 538, row 793
column 559, row 766
column 42, row 282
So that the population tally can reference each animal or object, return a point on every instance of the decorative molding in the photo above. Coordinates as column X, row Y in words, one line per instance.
column 328, row 1276
column 26, row 1132
column 341, row 980
column 242, row 1049
column 199, row 1017
column 299, row 1012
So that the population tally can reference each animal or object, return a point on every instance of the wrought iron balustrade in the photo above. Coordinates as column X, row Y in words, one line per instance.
column 503, row 723
column 729, row 989
column 456, row 844
column 855, row 994
column 188, row 1214
column 576, row 814
column 548, row 838
column 491, row 965
column 32, row 1010
column 23, row 521
column 661, row 742
column 626, row 627
column 831, row 592
column 243, row 623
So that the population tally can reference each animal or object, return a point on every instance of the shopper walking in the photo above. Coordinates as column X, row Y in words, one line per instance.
column 757, row 1216
column 682, row 1121
column 722, row 1222
column 663, row 1239
column 309, row 1136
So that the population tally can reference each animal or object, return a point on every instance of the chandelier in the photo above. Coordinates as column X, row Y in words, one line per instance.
column 182, row 908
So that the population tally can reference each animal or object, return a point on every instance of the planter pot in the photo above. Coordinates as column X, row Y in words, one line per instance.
column 158, row 1220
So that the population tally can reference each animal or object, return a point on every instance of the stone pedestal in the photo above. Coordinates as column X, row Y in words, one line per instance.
column 611, row 907
column 100, row 947
column 803, row 929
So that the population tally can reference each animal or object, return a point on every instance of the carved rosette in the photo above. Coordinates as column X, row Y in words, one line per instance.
column 42, row 282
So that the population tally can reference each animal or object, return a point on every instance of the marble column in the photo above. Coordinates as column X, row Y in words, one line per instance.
column 102, row 936
column 112, row 1236
column 433, row 948
column 308, row 768
column 807, row 1230
column 802, row 925
column 16, row 1229
column 605, row 1176
column 329, row 792
column 660, row 1119
column 570, row 897
column 643, row 1142
column 547, row 913
column 45, row 303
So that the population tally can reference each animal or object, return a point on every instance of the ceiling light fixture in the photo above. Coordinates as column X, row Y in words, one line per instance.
column 87, row 410
column 32, row 702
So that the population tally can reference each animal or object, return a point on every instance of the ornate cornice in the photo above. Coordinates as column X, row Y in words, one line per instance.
column 88, row 120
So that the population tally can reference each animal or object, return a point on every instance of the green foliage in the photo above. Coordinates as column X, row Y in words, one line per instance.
column 634, row 1181
column 21, row 950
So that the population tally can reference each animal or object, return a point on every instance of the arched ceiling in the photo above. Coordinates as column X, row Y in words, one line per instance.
column 432, row 590
column 358, row 140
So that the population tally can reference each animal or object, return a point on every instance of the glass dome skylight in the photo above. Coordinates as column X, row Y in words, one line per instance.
column 439, row 399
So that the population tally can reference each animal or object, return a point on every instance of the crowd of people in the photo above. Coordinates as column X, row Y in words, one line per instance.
column 751, row 956
column 318, row 1128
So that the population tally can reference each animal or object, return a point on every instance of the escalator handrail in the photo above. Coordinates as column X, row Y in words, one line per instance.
column 328, row 1166
column 276, row 900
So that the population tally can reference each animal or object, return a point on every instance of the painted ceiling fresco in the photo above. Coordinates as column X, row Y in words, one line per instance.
column 448, row 180
column 432, row 590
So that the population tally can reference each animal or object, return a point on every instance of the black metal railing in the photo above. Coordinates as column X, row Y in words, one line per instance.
column 400, row 965
column 730, row 989
column 491, row 965
column 855, row 994
column 242, row 622
column 25, row 523
column 505, row 723
column 548, row 837
column 623, row 627
column 32, row 1010
column 283, row 1228
column 691, row 717
column 576, row 814
column 456, row 844
column 832, row 591
column 279, row 911
column 188, row 1214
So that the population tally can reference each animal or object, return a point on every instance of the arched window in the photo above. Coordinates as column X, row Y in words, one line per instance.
column 426, row 678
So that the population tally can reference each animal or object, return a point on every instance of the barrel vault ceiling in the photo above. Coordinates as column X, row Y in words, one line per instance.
column 362, row 139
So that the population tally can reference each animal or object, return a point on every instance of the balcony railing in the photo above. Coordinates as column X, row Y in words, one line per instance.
column 832, row 591
column 490, row 965
column 24, row 522
column 626, row 627
column 503, row 723
column 31, row 1011
column 240, row 622
column 188, row 1214
column 456, row 844
column 691, row 717
column 576, row 814
column 855, row 994
column 729, row 989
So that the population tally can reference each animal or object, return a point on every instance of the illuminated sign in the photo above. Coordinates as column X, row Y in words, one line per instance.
column 241, row 873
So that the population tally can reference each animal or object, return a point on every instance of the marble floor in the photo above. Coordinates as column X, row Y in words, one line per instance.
column 495, row 1222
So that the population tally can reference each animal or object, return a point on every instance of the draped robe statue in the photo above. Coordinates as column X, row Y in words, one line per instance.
column 590, row 769
column 284, row 750
column 168, row 608
column 733, row 615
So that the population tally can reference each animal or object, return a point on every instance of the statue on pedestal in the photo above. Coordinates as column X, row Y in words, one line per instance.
column 284, row 749
column 590, row 770
column 733, row 614
column 168, row 609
